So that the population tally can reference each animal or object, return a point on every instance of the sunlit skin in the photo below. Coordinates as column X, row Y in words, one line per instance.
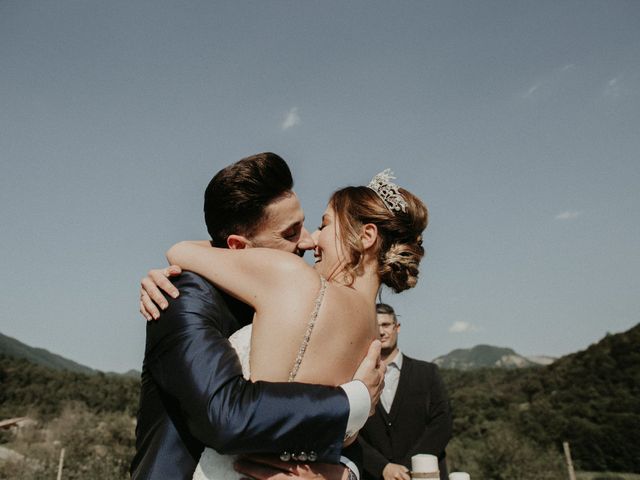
column 328, row 252
column 330, row 255
column 282, row 228
column 282, row 289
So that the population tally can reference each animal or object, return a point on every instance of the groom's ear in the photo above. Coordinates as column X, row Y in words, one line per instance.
column 238, row 242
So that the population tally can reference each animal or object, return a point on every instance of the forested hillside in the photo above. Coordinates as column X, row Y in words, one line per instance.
column 590, row 399
column 14, row 348
column 508, row 424
column 28, row 388
column 90, row 415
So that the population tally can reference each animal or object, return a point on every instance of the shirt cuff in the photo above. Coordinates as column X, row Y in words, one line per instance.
column 359, row 405
column 350, row 465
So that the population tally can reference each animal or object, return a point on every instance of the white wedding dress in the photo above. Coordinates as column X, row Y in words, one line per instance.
column 213, row 465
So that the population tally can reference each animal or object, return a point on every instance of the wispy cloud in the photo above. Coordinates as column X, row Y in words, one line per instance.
column 531, row 90
column 613, row 88
column 568, row 215
column 548, row 80
column 291, row 120
column 462, row 327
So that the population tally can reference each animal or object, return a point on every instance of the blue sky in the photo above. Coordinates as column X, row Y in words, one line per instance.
column 517, row 122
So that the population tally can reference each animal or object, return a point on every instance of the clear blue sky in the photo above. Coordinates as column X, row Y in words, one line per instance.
column 517, row 122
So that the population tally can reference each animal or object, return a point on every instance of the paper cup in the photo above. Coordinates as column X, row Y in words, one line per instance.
column 424, row 466
column 459, row 476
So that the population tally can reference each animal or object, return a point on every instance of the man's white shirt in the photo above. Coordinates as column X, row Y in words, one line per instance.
column 391, row 379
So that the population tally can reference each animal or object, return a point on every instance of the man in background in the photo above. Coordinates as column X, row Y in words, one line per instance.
column 413, row 415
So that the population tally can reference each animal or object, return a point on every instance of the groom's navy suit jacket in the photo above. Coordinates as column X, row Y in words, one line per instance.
column 193, row 393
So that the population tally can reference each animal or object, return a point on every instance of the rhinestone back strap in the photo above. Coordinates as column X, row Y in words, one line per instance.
column 307, row 334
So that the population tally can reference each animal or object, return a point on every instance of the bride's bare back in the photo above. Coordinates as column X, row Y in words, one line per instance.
column 344, row 328
column 371, row 235
column 282, row 289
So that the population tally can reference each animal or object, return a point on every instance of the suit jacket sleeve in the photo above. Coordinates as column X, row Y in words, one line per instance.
column 438, row 428
column 191, row 360
column 354, row 453
column 374, row 462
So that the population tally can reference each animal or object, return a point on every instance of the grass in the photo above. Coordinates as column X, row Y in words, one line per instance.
column 606, row 476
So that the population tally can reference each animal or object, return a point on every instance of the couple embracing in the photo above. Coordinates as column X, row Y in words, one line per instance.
column 255, row 351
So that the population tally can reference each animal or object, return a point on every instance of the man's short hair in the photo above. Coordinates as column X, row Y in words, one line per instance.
column 383, row 308
column 237, row 196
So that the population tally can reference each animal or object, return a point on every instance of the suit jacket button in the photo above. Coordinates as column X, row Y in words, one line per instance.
column 294, row 457
column 285, row 456
column 313, row 456
column 389, row 423
column 302, row 457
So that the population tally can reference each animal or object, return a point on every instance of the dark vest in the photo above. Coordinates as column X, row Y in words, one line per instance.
column 419, row 421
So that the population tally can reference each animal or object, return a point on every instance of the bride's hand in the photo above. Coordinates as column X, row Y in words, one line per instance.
column 371, row 372
column 151, row 298
column 266, row 467
column 349, row 440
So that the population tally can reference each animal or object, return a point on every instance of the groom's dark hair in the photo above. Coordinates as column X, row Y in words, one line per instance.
column 236, row 197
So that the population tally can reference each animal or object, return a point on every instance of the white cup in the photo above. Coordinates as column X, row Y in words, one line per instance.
column 422, row 464
column 459, row 476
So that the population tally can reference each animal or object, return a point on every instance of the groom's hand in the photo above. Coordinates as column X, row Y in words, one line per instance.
column 371, row 372
column 265, row 467
column 151, row 298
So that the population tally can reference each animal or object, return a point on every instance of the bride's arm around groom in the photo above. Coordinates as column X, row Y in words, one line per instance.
column 193, row 393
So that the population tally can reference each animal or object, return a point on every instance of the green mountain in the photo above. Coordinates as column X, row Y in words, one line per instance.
column 590, row 399
column 487, row 356
column 90, row 415
column 13, row 348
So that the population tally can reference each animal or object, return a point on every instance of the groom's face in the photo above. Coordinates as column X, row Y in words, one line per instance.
column 283, row 227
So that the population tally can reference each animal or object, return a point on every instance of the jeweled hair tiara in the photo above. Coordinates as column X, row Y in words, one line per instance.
column 388, row 191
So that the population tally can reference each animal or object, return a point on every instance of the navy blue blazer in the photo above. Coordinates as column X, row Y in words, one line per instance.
column 193, row 393
column 419, row 421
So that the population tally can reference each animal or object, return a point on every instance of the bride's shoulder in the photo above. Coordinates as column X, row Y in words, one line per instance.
column 286, row 265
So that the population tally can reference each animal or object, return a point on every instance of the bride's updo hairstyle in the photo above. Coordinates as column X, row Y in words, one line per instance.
column 399, row 244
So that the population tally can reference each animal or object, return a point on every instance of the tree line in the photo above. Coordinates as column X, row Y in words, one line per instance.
column 508, row 424
column 590, row 399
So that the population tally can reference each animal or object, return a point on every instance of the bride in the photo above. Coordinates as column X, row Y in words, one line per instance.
column 315, row 324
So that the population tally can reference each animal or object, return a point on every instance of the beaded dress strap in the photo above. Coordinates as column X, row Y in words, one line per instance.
column 307, row 334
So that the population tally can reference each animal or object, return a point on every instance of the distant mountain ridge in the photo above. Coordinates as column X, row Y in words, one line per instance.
column 487, row 356
column 11, row 347
column 14, row 348
column 480, row 356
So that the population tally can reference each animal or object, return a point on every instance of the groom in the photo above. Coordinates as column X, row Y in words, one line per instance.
column 193, row 393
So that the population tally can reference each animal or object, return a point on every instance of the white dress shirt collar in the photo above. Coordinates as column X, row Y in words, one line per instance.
column 397, row 360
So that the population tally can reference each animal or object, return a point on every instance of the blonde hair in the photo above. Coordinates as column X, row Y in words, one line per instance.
column 399, row 244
